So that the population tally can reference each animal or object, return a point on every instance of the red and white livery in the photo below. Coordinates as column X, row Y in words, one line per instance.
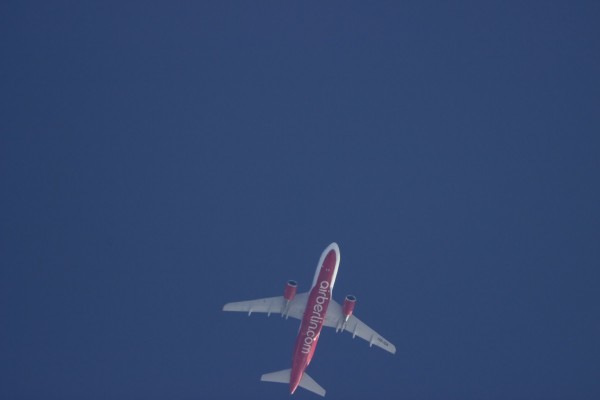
column 315, row 309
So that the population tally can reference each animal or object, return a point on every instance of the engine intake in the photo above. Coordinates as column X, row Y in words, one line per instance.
column 348, row 308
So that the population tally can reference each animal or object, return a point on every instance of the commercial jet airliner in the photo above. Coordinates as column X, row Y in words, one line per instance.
column 315, row 309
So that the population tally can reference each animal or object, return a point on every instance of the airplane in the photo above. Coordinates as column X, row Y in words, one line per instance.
column 315, row 309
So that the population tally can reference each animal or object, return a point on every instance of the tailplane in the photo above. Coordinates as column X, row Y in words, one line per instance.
column 283, row 376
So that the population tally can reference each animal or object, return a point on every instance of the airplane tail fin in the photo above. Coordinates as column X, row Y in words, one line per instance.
column 283, row 376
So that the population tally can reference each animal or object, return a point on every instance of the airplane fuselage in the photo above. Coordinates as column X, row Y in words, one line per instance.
column 314, row 313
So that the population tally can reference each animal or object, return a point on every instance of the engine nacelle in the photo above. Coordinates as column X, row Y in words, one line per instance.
column 290, row 290
column 288, row 295
column 348, row 308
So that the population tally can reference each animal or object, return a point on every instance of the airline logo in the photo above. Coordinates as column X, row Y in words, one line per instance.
column 317, row 316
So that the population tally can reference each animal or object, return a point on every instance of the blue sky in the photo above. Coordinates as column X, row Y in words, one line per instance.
column 158, row 160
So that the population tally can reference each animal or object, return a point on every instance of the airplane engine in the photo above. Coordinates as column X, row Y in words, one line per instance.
column 290, row 290
column 288, row 295
column 348, row 308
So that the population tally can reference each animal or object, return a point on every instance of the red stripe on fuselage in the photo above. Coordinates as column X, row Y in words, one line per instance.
column 314, row 316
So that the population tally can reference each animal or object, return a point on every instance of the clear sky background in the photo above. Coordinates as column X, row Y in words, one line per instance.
column 159, row 159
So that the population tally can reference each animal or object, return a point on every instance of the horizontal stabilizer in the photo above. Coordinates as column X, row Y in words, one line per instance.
column 283, row 376
column 309, row 383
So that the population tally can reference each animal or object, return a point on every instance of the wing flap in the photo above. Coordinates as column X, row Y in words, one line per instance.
column 335, row 319
column 272, row 305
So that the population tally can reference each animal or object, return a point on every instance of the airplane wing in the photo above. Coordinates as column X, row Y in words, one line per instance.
column 335, row 319
column 269, row 305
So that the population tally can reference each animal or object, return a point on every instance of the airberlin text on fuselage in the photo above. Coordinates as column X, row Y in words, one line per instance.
column 316, row 318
